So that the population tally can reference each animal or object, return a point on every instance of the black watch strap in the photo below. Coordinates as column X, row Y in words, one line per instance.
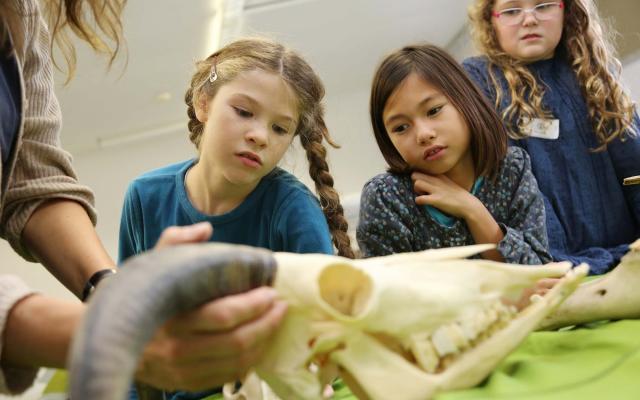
column 92, row 283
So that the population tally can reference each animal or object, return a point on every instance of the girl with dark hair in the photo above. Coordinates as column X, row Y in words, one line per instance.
column 550, row 70
column 451, row 180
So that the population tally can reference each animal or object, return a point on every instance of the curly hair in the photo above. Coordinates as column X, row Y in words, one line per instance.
column 266, row 55
column 97, row 22
column 592, row 57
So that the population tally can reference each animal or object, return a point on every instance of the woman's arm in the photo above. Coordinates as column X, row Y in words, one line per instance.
column 47, row 215
column 61, row 236
column 43, row 325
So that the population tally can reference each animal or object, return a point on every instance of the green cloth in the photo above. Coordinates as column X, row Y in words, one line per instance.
column 598, row 361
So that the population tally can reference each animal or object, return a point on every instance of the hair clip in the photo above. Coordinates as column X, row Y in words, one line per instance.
column 213, row 74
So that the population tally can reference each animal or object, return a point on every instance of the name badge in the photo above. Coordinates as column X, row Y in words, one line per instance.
column 542, row 128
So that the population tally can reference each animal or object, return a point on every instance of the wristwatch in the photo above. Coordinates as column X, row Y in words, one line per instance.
column 92, row 283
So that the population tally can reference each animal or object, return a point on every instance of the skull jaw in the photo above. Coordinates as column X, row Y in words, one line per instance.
column 616, row 295
column 382, row 374
column 372, row 365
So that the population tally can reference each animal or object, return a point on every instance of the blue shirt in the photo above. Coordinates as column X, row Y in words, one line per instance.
column 591, row 217
column 281, row 214
column 391, row 221
column 10, row 103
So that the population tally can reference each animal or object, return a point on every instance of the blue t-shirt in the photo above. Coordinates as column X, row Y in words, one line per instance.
column 281, row 214
column 591, row 217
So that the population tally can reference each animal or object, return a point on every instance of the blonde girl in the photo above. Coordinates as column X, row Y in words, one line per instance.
column 246, row 104
column 550, row 71
column 451, row 179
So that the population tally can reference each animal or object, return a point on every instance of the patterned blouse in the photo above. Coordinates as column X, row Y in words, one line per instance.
column 392, row 222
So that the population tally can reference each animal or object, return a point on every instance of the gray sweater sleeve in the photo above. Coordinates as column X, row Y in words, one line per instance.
column 525, row 235
column 381, row 228
column 12, row 380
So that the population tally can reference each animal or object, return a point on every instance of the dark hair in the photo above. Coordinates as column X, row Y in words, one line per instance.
column 262, row 54
column 488, row 133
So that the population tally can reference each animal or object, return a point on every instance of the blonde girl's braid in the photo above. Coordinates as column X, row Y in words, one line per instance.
column 198, row 83
column 311, row 140
column 195, row 126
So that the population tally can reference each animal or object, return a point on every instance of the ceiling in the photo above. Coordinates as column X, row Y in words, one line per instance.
column 141, row 96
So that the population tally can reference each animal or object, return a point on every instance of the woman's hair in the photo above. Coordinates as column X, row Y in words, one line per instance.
column 488, row 135
column 97, row 22
column 265, row 55
column 592, row 57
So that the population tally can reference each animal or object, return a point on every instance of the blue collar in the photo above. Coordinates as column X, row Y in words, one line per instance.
column 447, row 220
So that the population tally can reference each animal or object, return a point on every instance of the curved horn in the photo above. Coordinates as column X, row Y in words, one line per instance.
column 125, row 312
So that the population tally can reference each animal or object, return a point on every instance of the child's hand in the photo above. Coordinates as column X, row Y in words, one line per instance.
column 196, row 233
column 442, row 193
column 539, row 289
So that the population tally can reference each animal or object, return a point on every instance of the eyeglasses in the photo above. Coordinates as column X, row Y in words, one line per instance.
column 542, row 12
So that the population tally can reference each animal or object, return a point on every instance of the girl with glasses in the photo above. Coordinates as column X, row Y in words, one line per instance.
column 551, row 73
column 451, row 179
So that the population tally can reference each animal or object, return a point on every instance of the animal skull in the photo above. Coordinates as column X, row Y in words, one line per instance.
column 413, row 323
column 615, row 295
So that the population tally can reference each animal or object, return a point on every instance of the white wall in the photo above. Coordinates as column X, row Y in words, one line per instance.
column 631, row 77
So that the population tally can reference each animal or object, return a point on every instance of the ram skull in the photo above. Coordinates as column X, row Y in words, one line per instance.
column 414, row 323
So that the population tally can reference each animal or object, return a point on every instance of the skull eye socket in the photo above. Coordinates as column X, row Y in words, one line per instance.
column 345, row 288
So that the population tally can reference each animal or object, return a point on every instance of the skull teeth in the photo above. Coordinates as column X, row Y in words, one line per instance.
column 434, row 353
column 425, row 353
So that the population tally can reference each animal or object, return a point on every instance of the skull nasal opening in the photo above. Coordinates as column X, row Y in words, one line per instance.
column 345, row 288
